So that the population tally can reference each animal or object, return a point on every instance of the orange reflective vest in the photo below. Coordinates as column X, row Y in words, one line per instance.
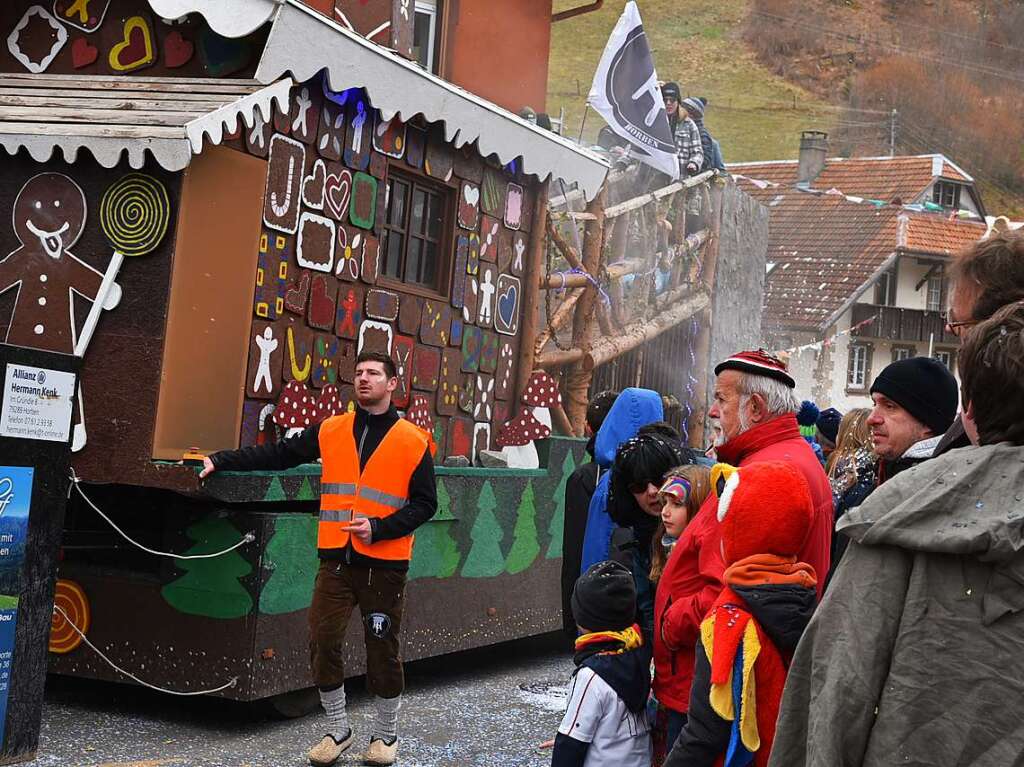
column 379, row 490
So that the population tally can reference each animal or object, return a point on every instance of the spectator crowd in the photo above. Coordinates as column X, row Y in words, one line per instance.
column 816, row 588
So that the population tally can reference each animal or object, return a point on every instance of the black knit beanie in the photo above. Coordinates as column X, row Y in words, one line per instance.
column 924, row 388
column 604, row 598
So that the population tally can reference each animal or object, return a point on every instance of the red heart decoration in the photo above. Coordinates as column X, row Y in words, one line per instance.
column 177, row 50
column 82, row 53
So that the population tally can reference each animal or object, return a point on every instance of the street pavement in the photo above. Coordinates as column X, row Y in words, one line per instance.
column 486, row 708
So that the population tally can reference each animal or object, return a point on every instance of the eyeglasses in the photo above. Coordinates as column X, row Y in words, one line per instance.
column 955, row 326
column 640, row 486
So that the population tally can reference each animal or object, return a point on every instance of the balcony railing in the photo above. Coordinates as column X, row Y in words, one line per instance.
column 901, row 325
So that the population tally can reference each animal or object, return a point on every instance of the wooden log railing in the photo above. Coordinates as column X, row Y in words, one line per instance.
column 609, row 314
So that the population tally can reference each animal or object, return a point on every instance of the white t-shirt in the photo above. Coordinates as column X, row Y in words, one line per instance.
column 596, row 715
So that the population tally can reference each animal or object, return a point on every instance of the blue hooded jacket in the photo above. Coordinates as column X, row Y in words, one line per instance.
column 632, row 409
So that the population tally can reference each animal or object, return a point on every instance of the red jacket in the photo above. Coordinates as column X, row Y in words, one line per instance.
column 692, row 578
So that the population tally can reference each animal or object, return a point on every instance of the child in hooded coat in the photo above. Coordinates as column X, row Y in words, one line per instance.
column 605, row 722
column 748, row 637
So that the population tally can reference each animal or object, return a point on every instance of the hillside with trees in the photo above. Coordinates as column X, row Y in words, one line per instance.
column 952, row 70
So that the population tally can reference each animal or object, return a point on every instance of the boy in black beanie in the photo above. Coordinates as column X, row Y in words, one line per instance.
column 605, row 722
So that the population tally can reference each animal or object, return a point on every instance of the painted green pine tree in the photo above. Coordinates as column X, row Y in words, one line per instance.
column 557, row 526
column 485, row 558
column 436, row 555
column 291, row 556
column 211, row 587
column 525, row 546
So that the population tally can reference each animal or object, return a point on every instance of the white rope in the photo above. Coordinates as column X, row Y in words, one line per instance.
column 76, row 484
column 233, row 681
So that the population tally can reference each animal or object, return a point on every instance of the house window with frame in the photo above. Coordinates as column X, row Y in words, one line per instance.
column 946, row 194
column 885, row 289
column 424, row 35
column 857, row 374
column 413, row 237
column 935, row 301
column 945, row 356
column 903, row 353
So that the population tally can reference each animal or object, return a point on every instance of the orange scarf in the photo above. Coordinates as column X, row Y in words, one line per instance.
column 761, row 569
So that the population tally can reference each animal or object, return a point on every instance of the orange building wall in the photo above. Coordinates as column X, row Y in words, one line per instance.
column 499, row 50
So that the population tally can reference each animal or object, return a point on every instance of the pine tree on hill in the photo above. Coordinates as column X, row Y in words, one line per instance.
column 436, row 555
column 291, row 553
column 557, row 526
column 525, row 546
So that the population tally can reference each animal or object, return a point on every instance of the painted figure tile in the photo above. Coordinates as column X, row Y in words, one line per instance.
column 348, row 253
column 86, row 15
column 415, row 146
column 297, row 364
column 505, row 250
column 271, row 274
column 313, row 186
column 284, row 179
column 472, row 346
column 469, row 205
column 350, row 311
column 363, row 207
column 257, row 136
column 346, row 361
column 481, row 440
column 503, row 373
column 506, row 308
column 489, row 352
column 315, row 249
column 492, row 196
column 381, row 305
column 130, row 42
column 305, row 113
column 330, row 137
column 489, row 229
column 323, row 293
column 455, row 337
column 519, row 244
column 389, row 137
column 439, row 159
column 485, row 302
column 450, row 378
column 402, row 356
column 296, row 297
column 460, row 437
column 459, row 268
column 409, row 312
column 337, row 191
column 426, row 368
column 467, row 393
column 325, row 354
column 266, row 352
column 358, row 141
column 514, row 206
column 375, row 336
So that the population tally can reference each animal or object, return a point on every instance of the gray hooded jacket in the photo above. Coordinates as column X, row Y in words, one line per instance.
column 916, row 654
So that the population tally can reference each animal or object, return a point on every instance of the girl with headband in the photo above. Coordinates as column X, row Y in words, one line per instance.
column 683, row 491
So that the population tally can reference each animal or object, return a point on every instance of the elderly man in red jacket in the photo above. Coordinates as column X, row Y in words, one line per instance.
column 754, row 413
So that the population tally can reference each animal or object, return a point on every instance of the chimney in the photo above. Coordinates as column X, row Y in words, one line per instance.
column 813, row 150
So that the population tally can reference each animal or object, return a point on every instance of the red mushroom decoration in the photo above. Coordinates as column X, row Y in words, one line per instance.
column 419, row 413
column 329, row 403
column 296, row 409
column 516, row 440
column 542, row 393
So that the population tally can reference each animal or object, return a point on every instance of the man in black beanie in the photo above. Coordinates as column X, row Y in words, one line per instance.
column 915, row 402
column 605, row 722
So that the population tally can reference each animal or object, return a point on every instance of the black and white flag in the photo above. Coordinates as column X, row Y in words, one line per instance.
column 625, row 93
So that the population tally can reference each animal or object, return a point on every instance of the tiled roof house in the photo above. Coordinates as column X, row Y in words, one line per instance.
column 856, row 260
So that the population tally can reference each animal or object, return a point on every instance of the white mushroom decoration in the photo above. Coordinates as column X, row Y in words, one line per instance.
column 516, row 440
column 419, row 413
column 542, row 393
column 296, row 408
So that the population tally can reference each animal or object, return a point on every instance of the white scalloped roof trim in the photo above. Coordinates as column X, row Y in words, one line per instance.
column 230, row 18
column 225, row 120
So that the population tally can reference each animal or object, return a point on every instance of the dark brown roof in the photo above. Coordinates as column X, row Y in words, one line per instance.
column 875, row 178
column 823, row 247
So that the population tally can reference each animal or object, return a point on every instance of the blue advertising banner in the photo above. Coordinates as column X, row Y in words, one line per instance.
column 15, row 500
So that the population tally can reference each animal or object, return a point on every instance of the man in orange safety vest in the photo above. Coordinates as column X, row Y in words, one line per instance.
column 376, row 487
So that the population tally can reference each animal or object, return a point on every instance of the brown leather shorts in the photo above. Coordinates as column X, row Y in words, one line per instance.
column 380, row 595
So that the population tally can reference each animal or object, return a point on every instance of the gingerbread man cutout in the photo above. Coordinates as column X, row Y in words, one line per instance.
column 49, row 216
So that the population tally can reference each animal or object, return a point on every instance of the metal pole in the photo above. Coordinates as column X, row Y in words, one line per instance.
column 892, row 134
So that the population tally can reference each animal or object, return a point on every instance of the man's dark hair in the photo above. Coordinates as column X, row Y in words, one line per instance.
column 993, row 270
column 382, row 358
column 598, row 408
column 992, row 369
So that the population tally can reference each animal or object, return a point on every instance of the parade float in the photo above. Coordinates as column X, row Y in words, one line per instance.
column 217, row 205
